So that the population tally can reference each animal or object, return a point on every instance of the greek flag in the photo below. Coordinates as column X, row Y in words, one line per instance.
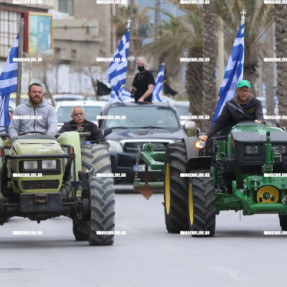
column 122, row 95
column 125, row 96
column 233, row 72
column 8, row 83
column 117, row 70
column 158, row 86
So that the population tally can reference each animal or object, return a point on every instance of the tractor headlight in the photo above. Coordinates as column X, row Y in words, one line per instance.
column 30, row 164
column 115, row 146
column 252, row 149
column 49, row 164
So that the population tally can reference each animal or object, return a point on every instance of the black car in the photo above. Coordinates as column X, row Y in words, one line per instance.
column 134, row 124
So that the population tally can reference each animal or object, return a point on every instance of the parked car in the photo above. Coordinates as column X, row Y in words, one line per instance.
column 134, row 124
column 92, row 110
column 182, row 109
column 67, row 97
column 12, row 101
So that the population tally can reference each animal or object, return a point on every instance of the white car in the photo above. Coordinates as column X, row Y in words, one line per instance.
column 92, row 110
column 67, row 97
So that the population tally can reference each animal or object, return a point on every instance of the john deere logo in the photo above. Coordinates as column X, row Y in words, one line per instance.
column 250, row 110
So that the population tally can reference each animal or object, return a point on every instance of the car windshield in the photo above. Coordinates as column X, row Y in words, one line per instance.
column 182, row 110
column 141, row 117
column 12, row 101
column 91, row 113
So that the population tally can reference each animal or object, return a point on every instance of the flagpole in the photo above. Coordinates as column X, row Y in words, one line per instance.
column 243, row 12
column 20, row 55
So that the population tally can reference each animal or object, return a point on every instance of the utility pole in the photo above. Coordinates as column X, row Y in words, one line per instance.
column 20, row 55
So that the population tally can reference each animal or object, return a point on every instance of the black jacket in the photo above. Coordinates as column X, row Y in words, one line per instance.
column 234, row 113
column 87, row 126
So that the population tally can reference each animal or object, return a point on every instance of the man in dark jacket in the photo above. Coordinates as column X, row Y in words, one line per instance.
column 80, row 124
column 143, row 83
column 242, row 107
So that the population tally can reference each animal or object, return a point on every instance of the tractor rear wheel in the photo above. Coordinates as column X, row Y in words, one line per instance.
column 283, row 222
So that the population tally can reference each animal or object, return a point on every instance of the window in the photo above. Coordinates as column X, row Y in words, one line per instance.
column 66, row 6
column 57, row 52
column 8, row 31
column 73, row 54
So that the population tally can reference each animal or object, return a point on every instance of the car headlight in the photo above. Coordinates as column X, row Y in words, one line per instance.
column 115, row 146
column 30, row 164
column 280, row 148
column 49, row 164
column 252, row 149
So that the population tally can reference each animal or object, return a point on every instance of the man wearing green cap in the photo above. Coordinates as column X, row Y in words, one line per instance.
column 242, row 107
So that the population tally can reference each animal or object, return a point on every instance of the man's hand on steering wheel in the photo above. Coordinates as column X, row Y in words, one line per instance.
column 32, row 132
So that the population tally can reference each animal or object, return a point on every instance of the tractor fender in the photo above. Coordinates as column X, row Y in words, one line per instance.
column 191, row 150
column 194, row 160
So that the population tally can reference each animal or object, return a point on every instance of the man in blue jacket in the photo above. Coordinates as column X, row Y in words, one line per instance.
column 36, row 115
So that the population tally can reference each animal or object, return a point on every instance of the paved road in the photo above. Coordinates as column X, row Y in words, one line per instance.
column 238, row 255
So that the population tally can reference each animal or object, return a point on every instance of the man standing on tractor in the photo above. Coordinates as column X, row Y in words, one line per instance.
column 34, row 116
column 242, row 107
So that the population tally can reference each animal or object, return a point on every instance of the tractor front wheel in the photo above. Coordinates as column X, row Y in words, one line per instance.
column 201, row 206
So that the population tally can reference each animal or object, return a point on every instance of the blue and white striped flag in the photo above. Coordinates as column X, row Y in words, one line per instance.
column 233, row 72
column 117, row 70
column 8, row 83
column 158, row 86
column 123, row 95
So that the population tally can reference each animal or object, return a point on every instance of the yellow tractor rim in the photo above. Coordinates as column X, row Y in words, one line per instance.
column 190, row 204
column 167, row 189
column 268, row 194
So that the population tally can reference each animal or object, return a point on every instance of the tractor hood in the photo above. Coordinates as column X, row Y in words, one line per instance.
column 140, row 134
column 36, row 147
column 254, row 133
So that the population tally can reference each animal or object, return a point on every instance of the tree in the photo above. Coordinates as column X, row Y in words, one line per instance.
column 268, row 70
column 257, row 19
column 138, row 22
column 209, row 68
column 281, row 36
column 181, row 37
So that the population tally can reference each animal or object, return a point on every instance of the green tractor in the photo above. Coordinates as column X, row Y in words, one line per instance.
column 244, row 170
column 42, row 178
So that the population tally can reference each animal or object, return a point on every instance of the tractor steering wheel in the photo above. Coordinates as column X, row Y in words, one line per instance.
column 32, row 132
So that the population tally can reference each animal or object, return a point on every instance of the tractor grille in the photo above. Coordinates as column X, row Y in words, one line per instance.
column 40, row 184
column 133, row 146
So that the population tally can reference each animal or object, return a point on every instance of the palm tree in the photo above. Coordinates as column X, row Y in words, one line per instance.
column 209, row 68
column 281, row 35
column 268, row 70
column 137, row 20
column 194, row 70
column 174, row 40
column 257, row 19
column 181, row 37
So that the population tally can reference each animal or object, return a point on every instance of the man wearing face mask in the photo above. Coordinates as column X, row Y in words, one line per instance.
column 143, row 83
column 80, row 124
